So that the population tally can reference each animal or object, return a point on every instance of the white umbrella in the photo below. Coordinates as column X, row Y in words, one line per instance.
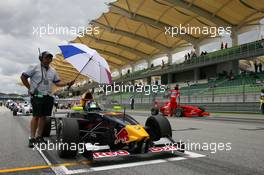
column 87, row 61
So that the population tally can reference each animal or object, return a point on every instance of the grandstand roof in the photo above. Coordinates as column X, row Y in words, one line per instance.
column 133, row 30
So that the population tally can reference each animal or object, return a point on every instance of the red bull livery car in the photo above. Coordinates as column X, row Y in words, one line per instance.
column 112, row 133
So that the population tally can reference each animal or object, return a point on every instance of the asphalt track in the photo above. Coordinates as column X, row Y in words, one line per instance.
column 244, row 134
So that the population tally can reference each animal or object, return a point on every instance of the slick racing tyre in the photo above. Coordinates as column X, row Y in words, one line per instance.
column 158, row 127
column 67, row 134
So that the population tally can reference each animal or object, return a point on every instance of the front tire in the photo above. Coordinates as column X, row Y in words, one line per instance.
column 68, row 134
column 158, row 127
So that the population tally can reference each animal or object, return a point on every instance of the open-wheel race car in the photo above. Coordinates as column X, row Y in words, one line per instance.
column 179, row 110
column 105, row 133
column 174, row 108
column 22, row 109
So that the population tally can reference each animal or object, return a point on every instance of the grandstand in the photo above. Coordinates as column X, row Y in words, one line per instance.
column 133, row 31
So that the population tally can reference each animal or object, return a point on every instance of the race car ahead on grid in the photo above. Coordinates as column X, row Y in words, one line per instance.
column 107, row 134
column 22, row 109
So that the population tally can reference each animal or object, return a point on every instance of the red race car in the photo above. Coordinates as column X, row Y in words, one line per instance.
column 172, row 107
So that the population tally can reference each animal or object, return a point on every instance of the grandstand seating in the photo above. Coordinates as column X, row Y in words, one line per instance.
column 229, row 52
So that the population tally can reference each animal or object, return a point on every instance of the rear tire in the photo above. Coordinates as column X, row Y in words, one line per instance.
column 67, row 134
column 158, row 127
column 179, row 112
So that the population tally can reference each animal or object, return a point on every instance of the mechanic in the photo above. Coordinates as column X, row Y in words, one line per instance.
column 42, row 76
column 173, row 98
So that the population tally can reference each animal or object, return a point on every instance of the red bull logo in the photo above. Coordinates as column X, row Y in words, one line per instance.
column 121, row 136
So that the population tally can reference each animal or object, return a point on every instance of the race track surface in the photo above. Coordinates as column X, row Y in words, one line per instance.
column 220, row 144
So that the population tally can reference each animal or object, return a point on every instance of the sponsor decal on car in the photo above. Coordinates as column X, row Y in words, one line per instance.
column 121, row 136
column 110, row 154
column 164, row 148
column 126, row 153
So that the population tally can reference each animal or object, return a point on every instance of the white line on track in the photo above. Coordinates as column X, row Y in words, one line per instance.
column 63, row 170
column 59, row 170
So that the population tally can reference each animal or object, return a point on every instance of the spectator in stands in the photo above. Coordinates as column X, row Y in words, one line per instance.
column 162, row 64
column 225, row 45
column 185, row 58
column 152, row 65
column 260, row 66
column 189, row 56
column 231, row 75
column 222, row 45
column 256, row 66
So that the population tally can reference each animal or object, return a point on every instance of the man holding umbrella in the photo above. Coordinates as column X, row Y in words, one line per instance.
column 42, row 76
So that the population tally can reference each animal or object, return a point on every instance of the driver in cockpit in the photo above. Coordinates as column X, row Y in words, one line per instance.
column 87, row 98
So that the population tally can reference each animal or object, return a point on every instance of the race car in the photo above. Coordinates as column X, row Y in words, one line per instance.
column 174, row 108
column 111, row 132
column 22, row 109
column 179, row 110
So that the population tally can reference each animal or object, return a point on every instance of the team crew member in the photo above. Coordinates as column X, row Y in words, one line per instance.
column 42, row 76
column 175, row 94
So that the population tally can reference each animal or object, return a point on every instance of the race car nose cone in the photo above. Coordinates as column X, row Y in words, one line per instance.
column 136, row 133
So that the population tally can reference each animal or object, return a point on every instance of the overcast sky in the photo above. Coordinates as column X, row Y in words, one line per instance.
column 19, row 43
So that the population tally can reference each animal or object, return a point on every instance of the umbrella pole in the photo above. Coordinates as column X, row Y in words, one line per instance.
column 81, row 71
column 83, row 68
